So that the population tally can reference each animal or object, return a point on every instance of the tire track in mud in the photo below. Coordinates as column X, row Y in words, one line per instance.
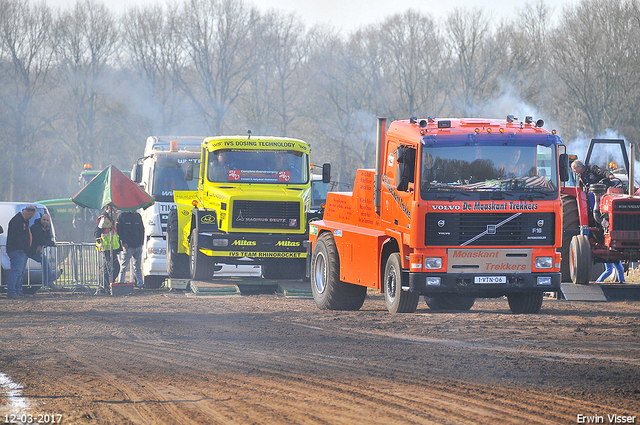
column 458, row 403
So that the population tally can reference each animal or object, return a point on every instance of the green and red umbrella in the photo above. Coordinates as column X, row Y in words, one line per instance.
column 112, row 187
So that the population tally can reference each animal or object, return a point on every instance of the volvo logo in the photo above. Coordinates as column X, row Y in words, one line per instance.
column 540, row 223
column 441, row 223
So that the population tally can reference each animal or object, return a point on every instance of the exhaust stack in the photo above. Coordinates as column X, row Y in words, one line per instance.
column 377, row 178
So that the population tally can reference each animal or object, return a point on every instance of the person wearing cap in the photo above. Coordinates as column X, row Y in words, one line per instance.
column 18, row 245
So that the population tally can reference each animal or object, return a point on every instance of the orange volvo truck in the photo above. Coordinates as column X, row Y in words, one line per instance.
column 456, row 209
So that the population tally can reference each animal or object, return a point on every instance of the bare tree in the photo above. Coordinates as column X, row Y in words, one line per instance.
column 27, row 50
column 473, row 76
column 155, row 50
column 595, row 54
column 87, row 37
column 527, row 65
column 415, row 59
column 218, row 41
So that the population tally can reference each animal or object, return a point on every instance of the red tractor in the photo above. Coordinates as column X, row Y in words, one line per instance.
column 601, row 221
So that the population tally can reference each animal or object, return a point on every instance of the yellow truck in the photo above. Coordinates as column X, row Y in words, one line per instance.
column 250, row 207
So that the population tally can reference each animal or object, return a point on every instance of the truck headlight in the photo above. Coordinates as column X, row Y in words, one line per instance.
column 544, row 262
column 157, row 251
column 220, row 242
column 432, row 263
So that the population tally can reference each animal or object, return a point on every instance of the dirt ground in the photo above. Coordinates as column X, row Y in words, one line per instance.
column 160, row 357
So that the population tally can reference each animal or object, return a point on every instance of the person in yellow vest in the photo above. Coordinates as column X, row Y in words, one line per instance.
column 108, row 241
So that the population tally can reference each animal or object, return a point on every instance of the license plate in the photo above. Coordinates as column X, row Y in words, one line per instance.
column 490, row 279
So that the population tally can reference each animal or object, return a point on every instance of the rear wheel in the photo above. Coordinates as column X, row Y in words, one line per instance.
column 177, row 264
column 525, row 302
column 570, row 226
column 580, row 256
column 397, row 299
column 450, row 302
column 329, row 292
column 202, row 266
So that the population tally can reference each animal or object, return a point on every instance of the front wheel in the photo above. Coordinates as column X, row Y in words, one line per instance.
column 525, row 302
column 397, row 299
column 177, row 263
column 580, row 255
column 329, row 292
column 202, row 267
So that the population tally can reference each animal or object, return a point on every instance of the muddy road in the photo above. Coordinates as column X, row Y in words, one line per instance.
column 159, row 357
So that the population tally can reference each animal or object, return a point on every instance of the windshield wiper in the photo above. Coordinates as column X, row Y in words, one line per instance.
column 450, row 196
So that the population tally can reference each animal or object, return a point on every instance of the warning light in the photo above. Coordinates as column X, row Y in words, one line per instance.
column 194, row 202
column 87, row 167
column 173, row 145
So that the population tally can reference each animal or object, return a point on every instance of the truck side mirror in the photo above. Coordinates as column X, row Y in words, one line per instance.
column 136, row 173
column 188, row 171
column 563, row 165
column 326, row 173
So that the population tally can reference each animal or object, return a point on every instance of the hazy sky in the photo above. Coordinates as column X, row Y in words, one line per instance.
column 349, row 15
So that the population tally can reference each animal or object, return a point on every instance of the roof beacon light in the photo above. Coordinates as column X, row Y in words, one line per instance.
column 173, row 146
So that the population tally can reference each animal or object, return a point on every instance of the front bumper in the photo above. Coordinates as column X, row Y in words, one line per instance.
column 463, row 283
column 257, row 246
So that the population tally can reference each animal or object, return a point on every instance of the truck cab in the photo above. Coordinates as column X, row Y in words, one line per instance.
column 250, row 207
column 456, row 209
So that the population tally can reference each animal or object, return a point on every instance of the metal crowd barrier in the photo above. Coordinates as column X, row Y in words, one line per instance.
column 72, row 266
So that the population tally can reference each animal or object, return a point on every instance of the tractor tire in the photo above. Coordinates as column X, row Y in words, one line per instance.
column 525, row 302
column 580, row 255
column 450, row 302
column 201, row 266
column 397, row 300
column 177, row 264
column 285, row 269
column 329, row 292
column 570, row 225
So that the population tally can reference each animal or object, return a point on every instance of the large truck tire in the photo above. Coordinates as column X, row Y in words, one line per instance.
column 397, row 300
column 570, row 226
column 446, row 302
column 329, row 292
column 580, row 256
column 201, row 266
column 285, row 269
column 525, row 302
column 177, row 264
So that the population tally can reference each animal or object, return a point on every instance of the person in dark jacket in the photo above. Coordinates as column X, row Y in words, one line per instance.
column 131, row 231
column 18, row 245
column 42, row 238
column 591, row 174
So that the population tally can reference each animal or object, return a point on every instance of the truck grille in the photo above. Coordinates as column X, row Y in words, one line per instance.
column 477, row 229
column 626, row 216
column 266, row 215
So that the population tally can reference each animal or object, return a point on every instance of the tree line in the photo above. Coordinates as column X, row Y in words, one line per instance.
column 84, row 85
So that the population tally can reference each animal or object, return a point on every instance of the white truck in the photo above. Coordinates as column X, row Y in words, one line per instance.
column 161, row 171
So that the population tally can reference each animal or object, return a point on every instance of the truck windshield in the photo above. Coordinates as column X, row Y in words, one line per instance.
column 169, row 176
column 258, row 166
column 467, row 171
